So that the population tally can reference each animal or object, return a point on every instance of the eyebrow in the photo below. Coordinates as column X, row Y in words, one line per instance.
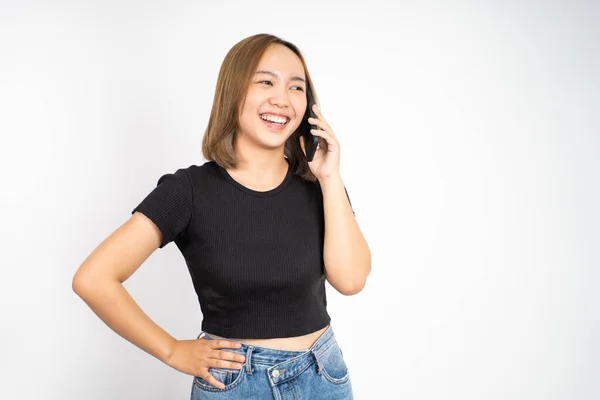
column 293, row 78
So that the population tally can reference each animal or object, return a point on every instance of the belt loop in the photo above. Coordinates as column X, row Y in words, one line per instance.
column 249, row 359
column 319, row 367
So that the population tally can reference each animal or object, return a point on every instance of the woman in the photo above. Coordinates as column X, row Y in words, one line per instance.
column 250, row 223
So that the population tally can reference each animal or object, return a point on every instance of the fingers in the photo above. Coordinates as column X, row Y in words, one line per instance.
column 320, row 124
column 223, row 358
column 228, row 356
column 324, row 130
column 211, row 379
column 317, row 111
column 328, row 136
column 223, row 344
column 320, row 120
column 218, row 363
column 215, row 357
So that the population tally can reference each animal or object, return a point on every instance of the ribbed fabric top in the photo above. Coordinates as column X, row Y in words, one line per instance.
column 255, row 258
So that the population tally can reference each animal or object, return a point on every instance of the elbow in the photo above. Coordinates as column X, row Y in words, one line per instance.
column 351, row 289
column 84, row 283
column 87, row 284
column 80, row 285
column 349, row 285
column 359, row 283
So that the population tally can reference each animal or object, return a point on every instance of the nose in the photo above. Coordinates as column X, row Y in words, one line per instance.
column 280, row 98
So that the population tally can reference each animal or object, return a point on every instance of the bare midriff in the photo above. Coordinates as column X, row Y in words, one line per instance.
column 295, row 343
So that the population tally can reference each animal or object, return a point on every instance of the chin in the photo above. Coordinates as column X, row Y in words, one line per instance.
column 271, row 145
column 272, row 141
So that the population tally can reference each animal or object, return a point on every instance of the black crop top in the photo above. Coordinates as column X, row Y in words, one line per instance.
column 255, row 258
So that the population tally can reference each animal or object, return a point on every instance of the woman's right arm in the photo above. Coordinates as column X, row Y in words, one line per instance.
column 99, row 282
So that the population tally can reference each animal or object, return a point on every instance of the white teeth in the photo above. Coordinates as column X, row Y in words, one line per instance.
column 275, row 119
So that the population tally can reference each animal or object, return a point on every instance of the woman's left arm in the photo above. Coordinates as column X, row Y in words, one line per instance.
column 346, row 254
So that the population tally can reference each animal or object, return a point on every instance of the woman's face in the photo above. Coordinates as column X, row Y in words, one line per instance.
column 275, row 102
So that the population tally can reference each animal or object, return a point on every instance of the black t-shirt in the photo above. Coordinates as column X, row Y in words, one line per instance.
column 255, row 258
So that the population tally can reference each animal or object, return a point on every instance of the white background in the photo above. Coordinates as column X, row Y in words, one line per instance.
column 470, row 149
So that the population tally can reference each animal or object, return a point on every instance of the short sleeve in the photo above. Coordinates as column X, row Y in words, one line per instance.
column 169, row 205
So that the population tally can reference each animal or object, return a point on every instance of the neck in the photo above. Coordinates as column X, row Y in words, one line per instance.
column 258, row 168
column 252, row 159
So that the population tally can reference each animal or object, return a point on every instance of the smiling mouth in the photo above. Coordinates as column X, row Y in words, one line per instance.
column 274, row 119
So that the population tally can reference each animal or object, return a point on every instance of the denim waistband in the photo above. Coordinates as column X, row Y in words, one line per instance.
column 295, row 360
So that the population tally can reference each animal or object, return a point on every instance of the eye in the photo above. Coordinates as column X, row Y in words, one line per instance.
column 266, row 82
column 300, row 88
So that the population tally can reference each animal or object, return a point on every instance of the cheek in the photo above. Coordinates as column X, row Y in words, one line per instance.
column 254, row 98
column 299, row 106
column 249, row 111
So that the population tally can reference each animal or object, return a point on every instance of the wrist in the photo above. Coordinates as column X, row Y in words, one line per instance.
column 331, row 181
column 170, row 350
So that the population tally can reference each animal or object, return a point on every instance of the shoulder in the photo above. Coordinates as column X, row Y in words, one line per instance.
column 206, row 168
column 191, row 173
column 184, row 181
column 203, row 176
column 300, row 188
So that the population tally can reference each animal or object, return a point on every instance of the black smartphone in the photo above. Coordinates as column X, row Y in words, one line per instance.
column 310, row 141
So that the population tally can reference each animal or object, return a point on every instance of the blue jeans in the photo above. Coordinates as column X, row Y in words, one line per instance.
column 317, row 373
